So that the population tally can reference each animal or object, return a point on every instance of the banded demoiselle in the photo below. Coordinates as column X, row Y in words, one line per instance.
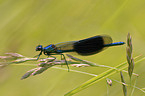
column 83, row 47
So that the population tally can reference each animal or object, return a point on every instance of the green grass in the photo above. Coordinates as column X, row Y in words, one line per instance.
column 25, row 24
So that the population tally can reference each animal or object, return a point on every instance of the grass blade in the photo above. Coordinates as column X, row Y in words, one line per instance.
column 124, row 87
column 94, row 80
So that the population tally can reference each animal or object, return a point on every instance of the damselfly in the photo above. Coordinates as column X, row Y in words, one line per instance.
column 83, row 47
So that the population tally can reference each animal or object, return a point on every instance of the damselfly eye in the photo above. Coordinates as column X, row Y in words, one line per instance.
column 39, row 48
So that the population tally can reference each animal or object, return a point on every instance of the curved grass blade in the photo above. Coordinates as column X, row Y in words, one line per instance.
column 124, row 87
column 100, row 77
column 95, row 80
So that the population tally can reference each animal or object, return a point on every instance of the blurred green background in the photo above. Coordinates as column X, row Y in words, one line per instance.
column 26, row 23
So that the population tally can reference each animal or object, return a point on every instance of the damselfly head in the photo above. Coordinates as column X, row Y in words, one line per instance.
column 39, row 48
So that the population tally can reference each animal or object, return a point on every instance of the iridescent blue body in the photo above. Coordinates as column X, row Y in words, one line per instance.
column 83, row 47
